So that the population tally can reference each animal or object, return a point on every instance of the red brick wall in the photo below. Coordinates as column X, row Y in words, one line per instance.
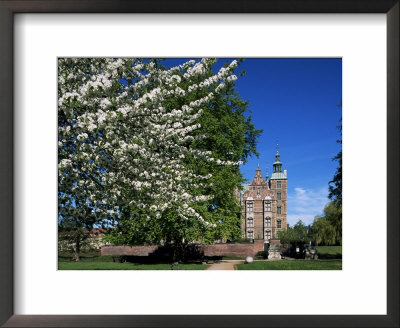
column 274, row 243
column 128, row 250
column 209, row 250
column 234, row 249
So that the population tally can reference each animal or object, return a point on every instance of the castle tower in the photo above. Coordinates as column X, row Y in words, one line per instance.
column 264, row 204
column 278, row 183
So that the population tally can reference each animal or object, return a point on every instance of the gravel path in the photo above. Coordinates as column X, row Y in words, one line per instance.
column 225, row 265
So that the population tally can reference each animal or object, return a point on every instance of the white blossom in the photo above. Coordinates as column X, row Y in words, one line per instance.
column 129, row 149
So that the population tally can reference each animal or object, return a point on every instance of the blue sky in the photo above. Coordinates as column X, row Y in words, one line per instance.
column 295, row 100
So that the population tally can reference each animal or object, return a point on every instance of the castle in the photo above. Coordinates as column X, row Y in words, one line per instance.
column 264, row 204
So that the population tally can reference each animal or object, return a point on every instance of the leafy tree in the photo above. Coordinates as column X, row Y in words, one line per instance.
column 333, row 214
column 80, row 180
column 324, row 232
column 228, row 133
column 299, row 234
column 335, row 186
column 333, row 211
column 139, row 154
column 327, row 229
column 288, row 236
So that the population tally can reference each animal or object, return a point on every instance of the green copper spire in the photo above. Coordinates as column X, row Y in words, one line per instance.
column 277, row 157
column 277, row 164
column 278, row 174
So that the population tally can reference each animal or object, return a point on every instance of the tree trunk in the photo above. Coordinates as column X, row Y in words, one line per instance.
column 178, row 251
column 77, row 249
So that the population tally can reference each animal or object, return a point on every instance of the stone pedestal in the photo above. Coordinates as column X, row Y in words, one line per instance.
column 311, row 254
column 274, row 254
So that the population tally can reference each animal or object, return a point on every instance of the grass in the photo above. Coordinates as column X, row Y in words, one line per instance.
column 106, row 263
column 292, row 265
column 83, row 254
column 329, row 252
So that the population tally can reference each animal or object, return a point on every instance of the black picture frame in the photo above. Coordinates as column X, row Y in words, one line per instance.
column 10, row 7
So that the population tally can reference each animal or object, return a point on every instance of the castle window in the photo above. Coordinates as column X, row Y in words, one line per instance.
column 267, row 222
column 279, row 195
column 278, row 185
column 279, row 224
column 250, row 222
column 250, row 234
column 254, row 188
column 267, row 234
column 263, row 187
column 249, row 206
column 258, row 191
column 279, row 210
column 267, row 206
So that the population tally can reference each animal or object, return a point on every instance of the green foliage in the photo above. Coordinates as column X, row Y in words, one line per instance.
column 335, row 186
column 324, row 232
column 228, row 133
column 298, row 234
column 67, row 241
column 287, row 236
column 261, row 255
column 76, row 214
column 333, row 211
column 328, row 228
column 73, row 236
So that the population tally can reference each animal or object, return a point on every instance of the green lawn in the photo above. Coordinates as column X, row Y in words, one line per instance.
column 329, row 252
column 292, row 265
column 106, row 263
column 83, row 254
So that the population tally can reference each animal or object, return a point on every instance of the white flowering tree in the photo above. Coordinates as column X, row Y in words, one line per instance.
column 80, row 178
column 132, row 154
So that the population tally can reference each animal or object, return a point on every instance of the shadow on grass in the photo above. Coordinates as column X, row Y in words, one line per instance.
column 292, row 265
column 167, row 254
column 329, row 252
column 330, row 256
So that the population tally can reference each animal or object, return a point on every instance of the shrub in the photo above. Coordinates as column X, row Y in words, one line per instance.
column 261, row 255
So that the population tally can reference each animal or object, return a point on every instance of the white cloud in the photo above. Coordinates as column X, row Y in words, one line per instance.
column 305, row 204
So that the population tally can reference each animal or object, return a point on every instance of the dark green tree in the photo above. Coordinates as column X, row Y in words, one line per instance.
column 333, row 214
column 335, row 185
column 229, row 134
column 298, row 235
column 333, row 211
column 324, row 232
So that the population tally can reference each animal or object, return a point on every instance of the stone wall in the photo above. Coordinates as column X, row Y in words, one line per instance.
column 242, row 250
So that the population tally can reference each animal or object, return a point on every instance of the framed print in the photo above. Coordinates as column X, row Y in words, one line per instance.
column 41, row 39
